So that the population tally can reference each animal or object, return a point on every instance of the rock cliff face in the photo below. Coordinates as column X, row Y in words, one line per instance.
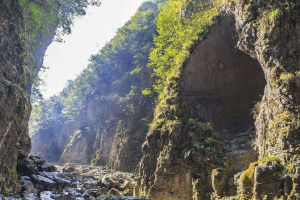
column 108, row 136
column 227, row 124
column 49, row 148
column 15, row 107
column 16, row 82
column 203, row 142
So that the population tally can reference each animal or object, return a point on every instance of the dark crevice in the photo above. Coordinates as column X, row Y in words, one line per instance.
column 222, row 83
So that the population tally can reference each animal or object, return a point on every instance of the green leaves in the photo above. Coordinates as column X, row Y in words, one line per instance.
column 23, row 2
column 118, row 73
column 36, row 12
column 147, row 92
column 41, row 19
column 176, row 34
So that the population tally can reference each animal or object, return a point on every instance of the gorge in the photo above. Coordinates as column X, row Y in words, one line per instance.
column 191, row 100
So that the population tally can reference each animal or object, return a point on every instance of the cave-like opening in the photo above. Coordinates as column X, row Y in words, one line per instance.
column 223, row 84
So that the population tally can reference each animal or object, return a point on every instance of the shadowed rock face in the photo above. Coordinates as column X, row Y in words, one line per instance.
column 15, row 87
column 13, row 105
column 106, row 135
column 222, row 82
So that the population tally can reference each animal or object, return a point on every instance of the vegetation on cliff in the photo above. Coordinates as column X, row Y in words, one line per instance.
column 110, row 104
column 180, row 25
column 257, row 24
column 43, row 20
column 27, row 28
column 115, row 79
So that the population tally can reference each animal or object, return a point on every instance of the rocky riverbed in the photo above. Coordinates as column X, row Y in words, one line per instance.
column 42, row 181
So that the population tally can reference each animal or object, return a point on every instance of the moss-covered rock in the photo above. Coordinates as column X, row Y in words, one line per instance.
column 14, row 100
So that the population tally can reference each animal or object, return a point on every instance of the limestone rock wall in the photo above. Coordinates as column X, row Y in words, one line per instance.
column 15, row 89
column 105, row 135
column 48, row 148
column 203, row 142
column 14, row 105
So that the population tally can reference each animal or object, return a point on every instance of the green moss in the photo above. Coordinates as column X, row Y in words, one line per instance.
column 247, row 181
column 274, row 13
column 286, row 75
column 237, row 197
column 143, row 194
column 292, row 167
column 9, row 181
column 247, row 178
column 282, row 124
column 295, row 192
column 3, row 185
column 214, row 172
column 268, row 19
column 136, row 70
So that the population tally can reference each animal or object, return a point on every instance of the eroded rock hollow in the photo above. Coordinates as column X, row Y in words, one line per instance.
column 222, row 84
column 204, row 142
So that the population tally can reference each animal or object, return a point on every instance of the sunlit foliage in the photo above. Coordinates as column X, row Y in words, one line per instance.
column 178, row 29
column 117, row 73
column 43, row 20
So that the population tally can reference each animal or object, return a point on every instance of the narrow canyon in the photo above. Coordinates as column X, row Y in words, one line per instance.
column 191, row 100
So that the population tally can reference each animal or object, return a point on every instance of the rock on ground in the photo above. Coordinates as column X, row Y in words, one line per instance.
column 42, row 181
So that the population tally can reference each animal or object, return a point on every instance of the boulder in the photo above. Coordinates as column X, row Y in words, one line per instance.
column 267, row 180
column 26, row 167
column 69, row 168
column 59, row 178
column 43, row 183
column 47, row 167
column 30, row 196
column 115, row 192
column 91, row 193
column 27, row 186
column 108, row 182
column 46, row 195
